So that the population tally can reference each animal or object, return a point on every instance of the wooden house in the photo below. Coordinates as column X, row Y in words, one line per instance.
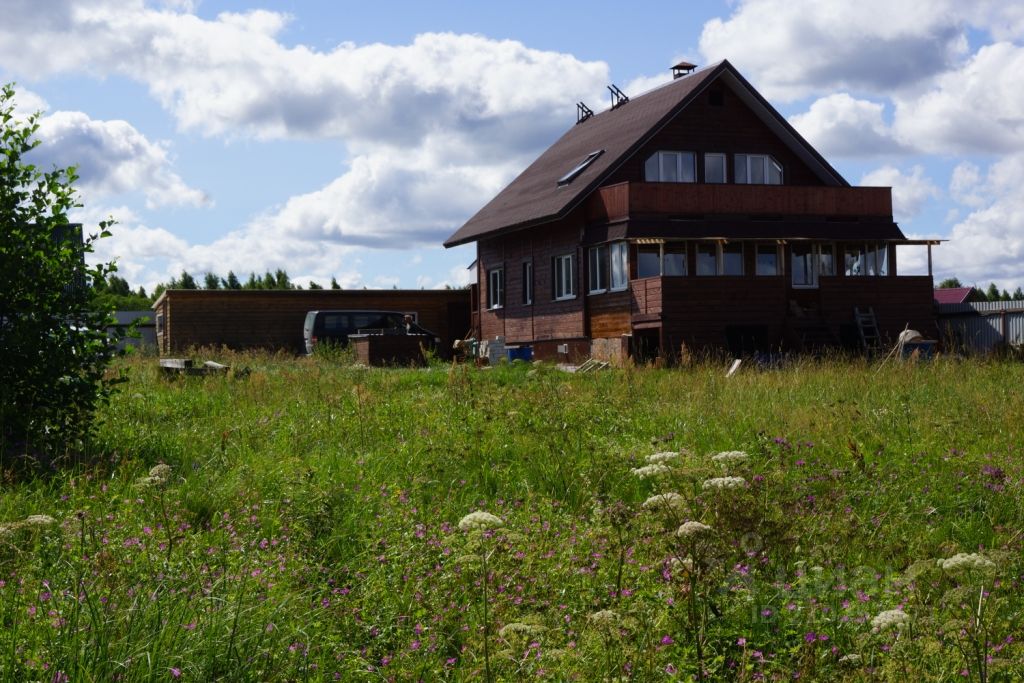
column 690, row 217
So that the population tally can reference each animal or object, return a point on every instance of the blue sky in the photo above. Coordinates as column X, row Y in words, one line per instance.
column 349, row 139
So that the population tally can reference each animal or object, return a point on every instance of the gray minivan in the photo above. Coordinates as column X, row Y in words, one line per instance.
column 336, row 326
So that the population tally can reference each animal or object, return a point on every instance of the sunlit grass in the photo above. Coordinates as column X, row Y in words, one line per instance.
column 309, row 526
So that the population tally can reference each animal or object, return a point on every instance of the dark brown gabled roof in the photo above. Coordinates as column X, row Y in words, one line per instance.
column 535, row 197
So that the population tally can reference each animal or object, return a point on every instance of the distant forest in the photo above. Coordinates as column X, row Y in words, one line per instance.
column 119, row 293
column 993, row 292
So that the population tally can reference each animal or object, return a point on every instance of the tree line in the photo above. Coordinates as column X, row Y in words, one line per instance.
column 115, row 290
column 993, row 292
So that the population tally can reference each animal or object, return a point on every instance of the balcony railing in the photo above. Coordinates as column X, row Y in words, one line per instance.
column 633, row 200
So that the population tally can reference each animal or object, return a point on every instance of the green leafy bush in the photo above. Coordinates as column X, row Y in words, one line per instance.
column 53, row 341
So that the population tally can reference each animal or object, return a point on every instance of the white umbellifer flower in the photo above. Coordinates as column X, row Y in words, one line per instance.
column 850, row 660
column 38, row 520
column 693, row 529
column 653, row 470
column 962, row 562
column 605, row 617
column 517, row 627
column 724, row 483
column 893, row 618
column 479, row 520
column 671, row 502
column 663, row 457
column 729, row 457
column 682, row 565
column 161, row 471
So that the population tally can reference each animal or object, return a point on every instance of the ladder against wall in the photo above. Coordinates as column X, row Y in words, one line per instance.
column 867, row 326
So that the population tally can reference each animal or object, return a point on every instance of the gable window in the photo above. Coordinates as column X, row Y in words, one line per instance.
column 670, row 167
column 496, row 288
column 527, row 283
column 579, row 168
column 758, row 169
column 598, row 271
column 714, row 168
column 718, row 258
column 619, row 252
column 563, row 283
column 768, row 260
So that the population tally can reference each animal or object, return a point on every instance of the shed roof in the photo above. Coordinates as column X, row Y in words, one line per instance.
column 536, row 197
column 952, row 295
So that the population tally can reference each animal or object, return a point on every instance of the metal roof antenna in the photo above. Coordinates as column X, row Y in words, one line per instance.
column 583, row 112
column 618, row 97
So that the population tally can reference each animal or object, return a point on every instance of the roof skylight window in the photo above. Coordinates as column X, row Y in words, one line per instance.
column 580, row 168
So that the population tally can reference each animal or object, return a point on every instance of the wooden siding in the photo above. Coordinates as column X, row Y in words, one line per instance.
column 545, row 318
column 731, row 128
column 633, row 199
column 273, row 319
column 699, row 310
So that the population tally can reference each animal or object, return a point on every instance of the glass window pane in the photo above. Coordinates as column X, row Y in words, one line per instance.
column 767, row 259
column 741, row 168
column 688, row 172
column 802, row 265
column 732, row 259
column 674, row 261
column 883, row 260
column 714, row 168
column 648, row 261
column 827, row 261
column 756, row 169
column 670, row 167
column 651, row 171
column 853, row 261
column 707, row 259
column 620, row 265
column 774, row 172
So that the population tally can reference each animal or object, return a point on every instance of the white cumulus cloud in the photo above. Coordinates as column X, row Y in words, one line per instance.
column 844, row 126
column 910, row 191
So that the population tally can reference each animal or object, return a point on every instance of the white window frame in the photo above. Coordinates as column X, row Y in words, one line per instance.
column 667, row 156
column 725, row 169
column 746, row 163
column 618, row 255
column 527, row 283
column 495, row 288
column 563, row 278
column 597, row 271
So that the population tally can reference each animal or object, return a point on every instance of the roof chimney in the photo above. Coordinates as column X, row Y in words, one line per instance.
column 681, row 69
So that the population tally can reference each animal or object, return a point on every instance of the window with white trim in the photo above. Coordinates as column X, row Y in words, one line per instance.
column 714, row 168
column 597, row 273
column 670, row 167
column 527, row 283
column 563, row 282
column 496, row 288
column 619, row 256
column 758, row 169
column 719, row 258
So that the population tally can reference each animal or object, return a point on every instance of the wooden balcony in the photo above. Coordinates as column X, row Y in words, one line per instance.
column 635, row 200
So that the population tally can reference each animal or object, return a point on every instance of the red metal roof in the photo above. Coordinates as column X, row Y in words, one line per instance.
column 952, row 295
column 535, row 197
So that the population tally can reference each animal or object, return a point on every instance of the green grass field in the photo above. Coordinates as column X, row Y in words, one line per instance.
column 307, row 527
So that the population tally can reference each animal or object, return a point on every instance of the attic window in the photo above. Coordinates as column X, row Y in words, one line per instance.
column 579, row 168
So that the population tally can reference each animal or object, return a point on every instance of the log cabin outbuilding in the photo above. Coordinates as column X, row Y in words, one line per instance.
column 691, row 217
